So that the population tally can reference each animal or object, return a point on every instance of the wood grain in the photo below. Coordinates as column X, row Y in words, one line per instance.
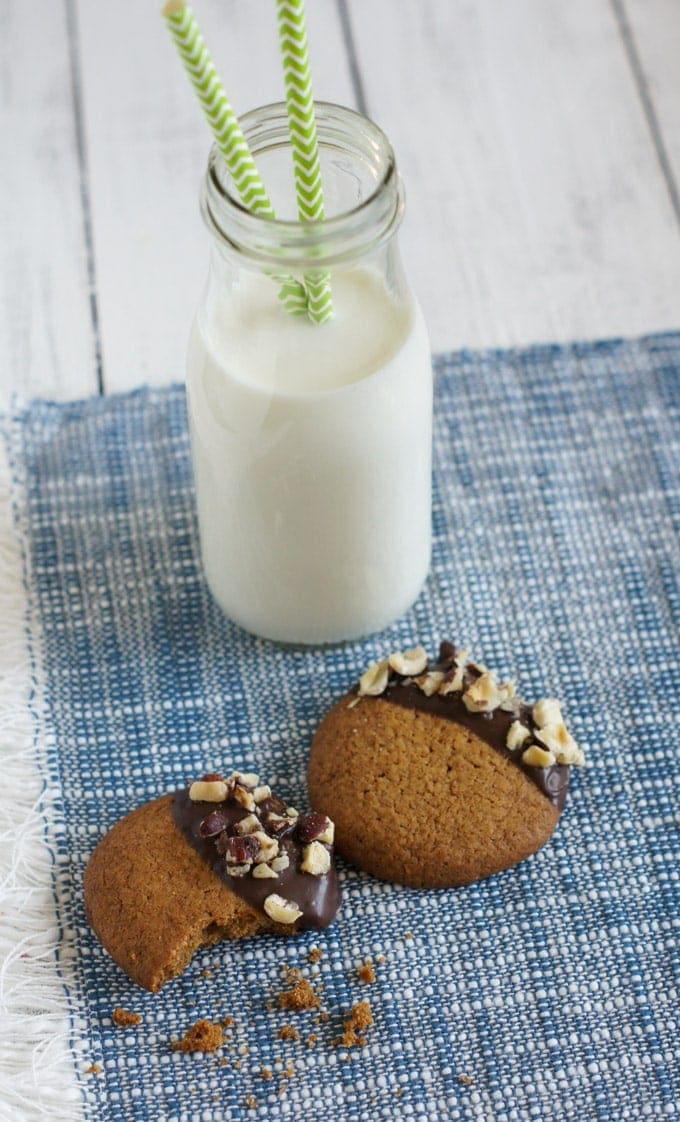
column 538, row 206
column 46, row 335
column 537, row 209
column 655, row 26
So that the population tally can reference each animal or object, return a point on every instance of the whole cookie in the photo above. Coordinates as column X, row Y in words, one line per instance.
column 205, row 864
column 436, row 774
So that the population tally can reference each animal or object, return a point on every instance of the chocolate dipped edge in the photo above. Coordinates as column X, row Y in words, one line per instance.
column 492, row 728
column 317, row 897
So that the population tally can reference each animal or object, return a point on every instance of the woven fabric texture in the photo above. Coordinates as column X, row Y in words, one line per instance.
column 553, row 986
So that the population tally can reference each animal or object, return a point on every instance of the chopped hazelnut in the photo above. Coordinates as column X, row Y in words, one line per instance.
column 244, row 797
column 315, row 859
column 280, row 910
column 547, row 712
column 262, row 872
column 262, row 793
column 208, row 791
column 454, row 684
column 483, row 696
column 280, row 863
column 269, row 847
column 430, row 683
column 246, row 779
column 559, row 741
column 374, row 680
column 409, row 663
column 237, row 870
column 248, row 825
column 518, row 734
column 537, row 757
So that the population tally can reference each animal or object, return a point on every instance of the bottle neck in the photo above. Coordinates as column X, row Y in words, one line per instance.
column 363, row 194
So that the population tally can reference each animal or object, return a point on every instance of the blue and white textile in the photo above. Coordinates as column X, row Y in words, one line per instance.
column 553, row 986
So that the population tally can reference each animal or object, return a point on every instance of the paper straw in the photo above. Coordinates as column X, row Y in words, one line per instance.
column 302, row 125
column 226, row 130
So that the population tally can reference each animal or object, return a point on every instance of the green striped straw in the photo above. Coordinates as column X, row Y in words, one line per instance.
column 227, row 132
column 302, row 125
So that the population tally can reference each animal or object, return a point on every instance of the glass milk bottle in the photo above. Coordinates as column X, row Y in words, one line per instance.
column 311, row 444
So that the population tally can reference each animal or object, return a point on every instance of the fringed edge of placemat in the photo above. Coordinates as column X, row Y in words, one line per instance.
column 39, row 1070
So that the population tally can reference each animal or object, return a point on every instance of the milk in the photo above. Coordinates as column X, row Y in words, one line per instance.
column 311, row 452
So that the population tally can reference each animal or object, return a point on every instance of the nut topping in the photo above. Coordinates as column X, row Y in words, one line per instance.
column 241, row 839
column 313, row 827
column 248, row 825
column 208, row 791
column 483, row 696
column 315, row 859
column 518, row 734
column 409, row 663
column 559, row 741
column 537, row 757
column 547, row 712
column 241, row 850
column 429, row 683
column 244, row 797
column 373, row 681
column 263, row 871
column 268, row 847
column 453, row 684
column 280, row 863
column 280, row 910
column 213, row 824
column 246, row 779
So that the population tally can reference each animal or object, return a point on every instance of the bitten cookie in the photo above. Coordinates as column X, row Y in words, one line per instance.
column 221, row 860
column 436, row 774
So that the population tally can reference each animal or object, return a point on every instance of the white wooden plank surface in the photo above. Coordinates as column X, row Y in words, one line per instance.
column 543, row 213
column 537, row 206
column 147, row 149
column 655, row 25
column 46, row 337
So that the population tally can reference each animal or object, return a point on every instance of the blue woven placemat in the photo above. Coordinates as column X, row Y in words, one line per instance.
column 553, row 986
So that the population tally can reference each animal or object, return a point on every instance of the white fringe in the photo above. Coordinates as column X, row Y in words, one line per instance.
column 39, row 1030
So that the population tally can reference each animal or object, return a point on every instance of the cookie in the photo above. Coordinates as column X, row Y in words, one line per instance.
column 224, row 859
column 436, row 774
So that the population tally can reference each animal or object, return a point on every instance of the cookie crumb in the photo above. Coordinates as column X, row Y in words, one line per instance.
column 409, row 935
column 466, row 1080
column 227, row 1022
column 124, row 1018
column 381, row 958
column 311, row 1040
column 288, row 1032
column 301, row 994
column 289, row 1071
column 204, row 1036
column 357, row 1020
column 93, row 1069
column 366, row 972
column 315, row 955
column 251, row 1102
column 266, row 1073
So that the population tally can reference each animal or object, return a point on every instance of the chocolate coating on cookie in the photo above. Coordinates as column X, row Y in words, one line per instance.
column 316, row 896
column 492, row 727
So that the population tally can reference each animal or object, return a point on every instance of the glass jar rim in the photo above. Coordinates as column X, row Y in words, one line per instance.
column 273, row 242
